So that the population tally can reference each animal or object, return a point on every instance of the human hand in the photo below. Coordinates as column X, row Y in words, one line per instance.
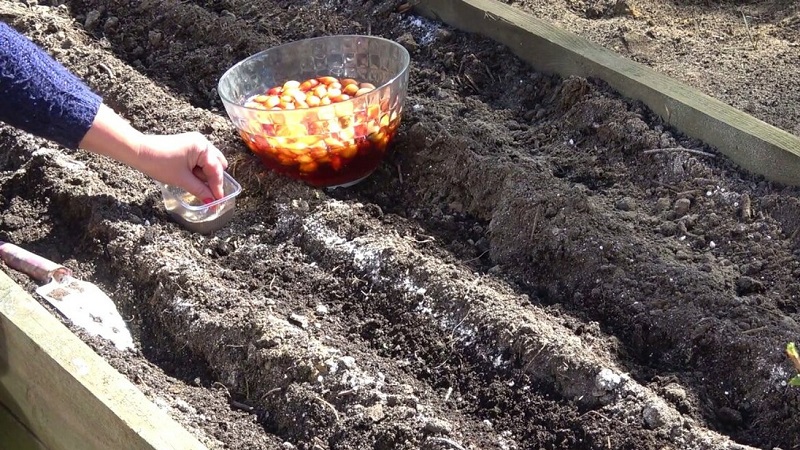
column 186, row 160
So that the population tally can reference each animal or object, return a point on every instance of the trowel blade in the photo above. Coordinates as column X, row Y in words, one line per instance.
column 88, row 307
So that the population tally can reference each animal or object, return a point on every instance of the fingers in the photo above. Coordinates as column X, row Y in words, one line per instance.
column 198, row 172
column 212, row 164
column 198, row 188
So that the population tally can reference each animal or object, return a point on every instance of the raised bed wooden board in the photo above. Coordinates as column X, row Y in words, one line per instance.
column 67, row 395
column 749, row 142
column 14, row 435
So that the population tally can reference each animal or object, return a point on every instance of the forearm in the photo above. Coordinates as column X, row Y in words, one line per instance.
column 113, row 136
column 39, row 95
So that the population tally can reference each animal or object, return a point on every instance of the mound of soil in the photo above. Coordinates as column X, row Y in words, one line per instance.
column 532, row 267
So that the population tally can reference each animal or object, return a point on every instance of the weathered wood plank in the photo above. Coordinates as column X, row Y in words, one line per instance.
column 65, row 393
column 749, row 142
column 14, row 435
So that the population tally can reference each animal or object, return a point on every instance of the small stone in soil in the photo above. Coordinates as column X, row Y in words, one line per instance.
column 374, row 413
column 607, row 380
column 682, row 206
column 184, row 406
column 747, row 285
column 299, row 320
column 654, row 417
column 662, row 204
column 92, row 17
column 437, row 426
column 407, row 41
column 623, row 204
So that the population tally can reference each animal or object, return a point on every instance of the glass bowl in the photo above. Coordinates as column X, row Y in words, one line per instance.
column 272, row 99
column 194, row 214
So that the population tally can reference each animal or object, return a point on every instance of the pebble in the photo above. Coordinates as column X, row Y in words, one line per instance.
column 437, row 426
column 348, row 361
column 299, row 320
column 111, row 24
column 675, row 393
column 607, row 380
column 681, row 206
column 668, row 228
column 321, row 310
column 624, row 204
column 374, row 413
column 748, row 285
column 662, row 204
column 183, row 406
column 407, row 41
column 653, row 417
column 92, row 18
column 154, row 38
column 443, row 35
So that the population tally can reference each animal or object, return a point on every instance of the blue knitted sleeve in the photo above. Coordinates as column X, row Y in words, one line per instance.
column 39, row 95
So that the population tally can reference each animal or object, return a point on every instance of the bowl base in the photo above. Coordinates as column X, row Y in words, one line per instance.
column 351, row 183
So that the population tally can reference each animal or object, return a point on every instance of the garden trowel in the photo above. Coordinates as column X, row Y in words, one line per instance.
column 81, row 302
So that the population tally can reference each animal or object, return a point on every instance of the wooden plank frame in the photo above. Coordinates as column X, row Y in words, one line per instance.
column 749, row 142
column 65, row 394
column 14, row 435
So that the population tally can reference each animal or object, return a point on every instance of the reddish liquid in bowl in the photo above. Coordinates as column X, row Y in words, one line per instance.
column 329, row 165
column 330, row 147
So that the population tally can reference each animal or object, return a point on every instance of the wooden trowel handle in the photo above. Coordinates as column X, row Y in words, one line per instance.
column 39, row 268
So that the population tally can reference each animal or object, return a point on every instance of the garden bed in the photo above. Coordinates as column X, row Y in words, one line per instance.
column 529, row 269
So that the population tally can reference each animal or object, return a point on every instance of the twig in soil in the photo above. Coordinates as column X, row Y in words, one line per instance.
column 477, row 257
column 452, row 340
column 270, row 392
column 346, row 392
column 754, row 330
column 668, row 186
column 471, row 83
column 528, row 365
column 747, row 27
column 106, row 69
column 445, row 441
column 679, row 149
column 218, row 384
column 596, row 413
column 400, row 173
column 535, row 221
column 331, row 407
column 417, row 241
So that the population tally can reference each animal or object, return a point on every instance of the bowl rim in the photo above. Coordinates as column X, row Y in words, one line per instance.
column 400, row 73
column 237, row 189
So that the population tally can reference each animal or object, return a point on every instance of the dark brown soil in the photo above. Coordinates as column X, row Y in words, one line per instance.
column 518, row 274
column 745, row 53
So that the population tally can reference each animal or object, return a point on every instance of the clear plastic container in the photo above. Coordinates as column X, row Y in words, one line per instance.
column 330, row 145
column 194, row 215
